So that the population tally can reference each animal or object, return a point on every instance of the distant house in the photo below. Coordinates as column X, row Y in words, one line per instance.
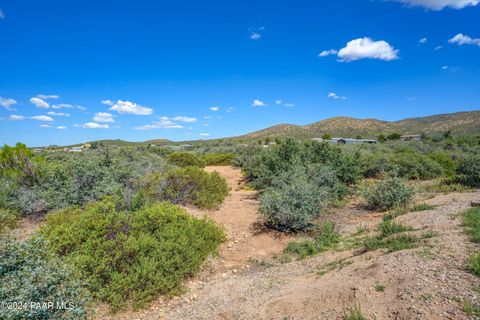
column 351, row 141
column 76, row 149
column 411, row 137
column 318, row 139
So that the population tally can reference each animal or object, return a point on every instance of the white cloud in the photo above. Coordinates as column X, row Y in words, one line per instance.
column 62, row 106
column 2, row 15
column 108, row 102
column 230, row 109
column 45, row 126
column 16, row 117
column 366, row 48
column 48, row 96
column 94, row 125
column 103, row 117
column 255, row 36
column 289, row 104
column 58, row 114
column 423, row 40
column 42, row 118
column 325, row 53
column 438, row 48
column 127, row 107
column 440, row 4
column 7, row 103
column 214, row 108
column 444, row 67
column 39, row 103
column 61, row 127
column 333, row 95
column 203, row 134
column 163, row 123
column 258, row 103
column 461, row 39
column 185, row 119
column 278, row 102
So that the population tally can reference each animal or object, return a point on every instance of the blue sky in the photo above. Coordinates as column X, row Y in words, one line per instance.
column 72, row 71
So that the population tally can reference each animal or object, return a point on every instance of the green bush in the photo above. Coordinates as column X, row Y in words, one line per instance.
column 28, row 274
column 185, row 159
column 471, row 224
column 387, row 194
column 469, row 171
column 474, row 263
column 218, row 159
column 295, row 199
column 189, row 185
column 132, row 256
column 8, row 219
column 410, row 164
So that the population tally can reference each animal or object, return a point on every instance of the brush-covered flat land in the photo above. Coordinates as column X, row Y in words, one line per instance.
column 271, row 225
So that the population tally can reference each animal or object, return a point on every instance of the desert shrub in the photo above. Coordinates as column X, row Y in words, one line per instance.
column 354, row 313
column 18, row 163
column 387, row 194
column 189, row 185
column 445, row 160
column 132, row 256
column 28, row 274
column 186, row 159
column 414, row 165
column 295, row 199
column 469, row 171
column 471, row 224
column 325, row 238
column 218, row 159
column 423, row 207
column 473, row 264
column 8, row 219
column 387, row 228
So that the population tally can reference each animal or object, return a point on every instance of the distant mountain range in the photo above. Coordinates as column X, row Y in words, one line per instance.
column 458, row 123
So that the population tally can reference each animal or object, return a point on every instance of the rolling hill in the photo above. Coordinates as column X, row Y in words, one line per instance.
column 458, row 123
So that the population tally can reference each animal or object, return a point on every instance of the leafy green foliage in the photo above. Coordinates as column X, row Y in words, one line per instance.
column 28, row 274
column 189, row 185
column 471, row 224
column 8, row 219
column 18, row 164
column 387, row 194
column 473, row 264
column 297, row 197
column 469, row 171
column 354, row 313
column 132, row 256
column 185, row 159
column 325, row 238
column 414, row 165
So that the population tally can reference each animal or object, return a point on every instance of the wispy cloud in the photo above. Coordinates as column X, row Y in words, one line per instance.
column 39, row 103
column 440, row 4
column 16, row 117
column 58, row 114
column 103, row 117
column 48, row 96
column 108, row 102
column 2, row 15
column 45, row 126
column 128, row 107
column 289, row 104
column 326, row 53
column 461, row 39
column 204, row 134
column 94, row 125
column 258, row 103
column 185, row 119
column 42, row 118
column 333, row 95
column 255, row 36
column 256, row 33
column 7, row 103
column 214, row 108
column 61, row 128
column 167, row 123
column 423, row 40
